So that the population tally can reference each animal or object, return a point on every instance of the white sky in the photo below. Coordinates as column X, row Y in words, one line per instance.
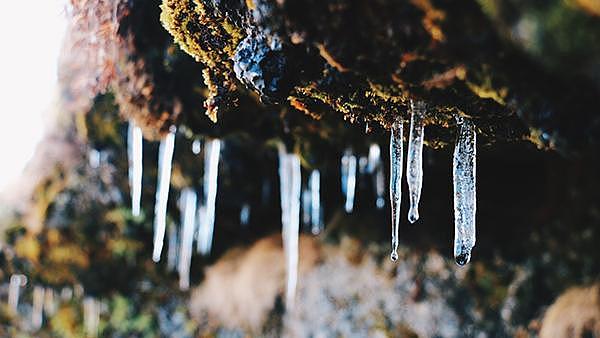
column 31, row 34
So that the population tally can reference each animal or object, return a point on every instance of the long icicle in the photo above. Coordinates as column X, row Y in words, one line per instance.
column 188, row 210
column 134, row 151
column 212, row 154
column 396, row 159
column 314, row 183
column 165, row 161
column 414, row 160
column 464, row 171
column 284, row 185
column 291, row 241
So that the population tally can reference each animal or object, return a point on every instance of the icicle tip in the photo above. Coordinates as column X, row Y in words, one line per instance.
column 463, row 257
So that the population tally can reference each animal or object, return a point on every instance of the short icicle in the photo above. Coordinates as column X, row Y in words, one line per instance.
column 245, row 214
column 375, row 168
column 463, row 169
column 414, row 160
column 314, row 182
column 188, row 202
column 14, row 290
column 396, row 159
column 91, row 316
column 172, row 250
column 134, row 152
column 50, row 305
column 37, row 312
column 212, row 154
column 165, row 161
column 349, row 164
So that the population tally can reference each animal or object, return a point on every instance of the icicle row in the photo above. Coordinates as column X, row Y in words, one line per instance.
column 212, row 152
column 165, row 158
column 135, row 153
column 396, row 160
column 464, row 168
column 414, row 161
column 188, row 211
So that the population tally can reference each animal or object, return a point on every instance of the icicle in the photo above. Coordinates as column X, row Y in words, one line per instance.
column 49, row 302
column 37, row 311
column 196, row 147
column 363, row 162
column 94, row 158
column 396, row 159
column 374, row 158
column 173, row 246
column 463, row 169
column 91, row 316
column 291, row 236
column 284, row 185
column 200, row 228
column 349, row 179
column 188, row 211
column 165, row 159
column 134, row 152
column 14, row 290
column 314, row 183
column 212, row 153
column 414, row 160
column 375, row 167
column 245, row 214
column 306, row 206
column 290, row 189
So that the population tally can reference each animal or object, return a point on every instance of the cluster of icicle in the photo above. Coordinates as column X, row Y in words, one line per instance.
column 45, row 304
column 197, row 214
column 463, row 176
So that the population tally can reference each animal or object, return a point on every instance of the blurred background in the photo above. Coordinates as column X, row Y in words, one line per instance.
column 131, row 126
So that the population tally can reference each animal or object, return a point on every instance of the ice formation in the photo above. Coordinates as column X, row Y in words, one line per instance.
column 463, row 168
column 188, row 202
column 291, row 185
column 349, row 179
column 316, row 215
column 375, row 168
column 134, row 153
column 212, row 153
column 396, row 159
column 414, row 159
column 14, row 290
column 37, row 311
column 165, row 161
